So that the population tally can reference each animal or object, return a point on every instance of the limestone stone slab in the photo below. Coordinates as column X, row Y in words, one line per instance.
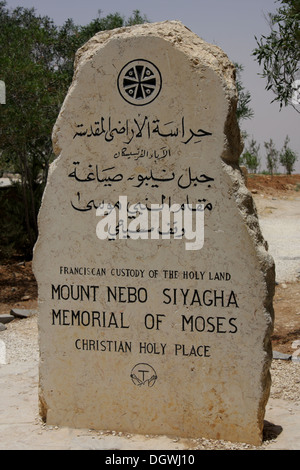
column 142, row 333
column 21, row 312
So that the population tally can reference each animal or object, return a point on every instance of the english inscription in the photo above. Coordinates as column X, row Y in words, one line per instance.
column 208, row 321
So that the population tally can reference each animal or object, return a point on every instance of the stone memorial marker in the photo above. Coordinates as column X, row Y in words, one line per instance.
column 155, row 284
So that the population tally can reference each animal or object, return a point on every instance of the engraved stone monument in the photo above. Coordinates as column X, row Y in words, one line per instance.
column 155, row 284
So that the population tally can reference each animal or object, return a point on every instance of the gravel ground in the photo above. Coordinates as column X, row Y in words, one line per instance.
column 280, row 225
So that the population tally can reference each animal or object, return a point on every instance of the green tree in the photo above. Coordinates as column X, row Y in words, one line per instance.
column 243, row 107
column 27, row 64
column 279, row 53
column 106, row 23
column 70, row 37
column 271, row 156
column 250, row 157
column 36, row 63
column 136, row 18
column 288, row 157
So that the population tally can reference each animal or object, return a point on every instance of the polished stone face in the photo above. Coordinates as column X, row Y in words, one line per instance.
column 155, row 286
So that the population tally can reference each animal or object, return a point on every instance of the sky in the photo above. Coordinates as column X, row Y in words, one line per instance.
column 230, row 24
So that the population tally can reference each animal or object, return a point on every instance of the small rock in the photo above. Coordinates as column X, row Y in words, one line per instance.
column 2, row 327
column 6, row 318
column 26, row 297
column 279, row 355
column 21, row 313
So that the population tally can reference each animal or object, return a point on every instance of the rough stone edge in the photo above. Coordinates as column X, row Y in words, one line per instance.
column 182, row 38
column 246, row 206
column 187, row 41
column 248, row 211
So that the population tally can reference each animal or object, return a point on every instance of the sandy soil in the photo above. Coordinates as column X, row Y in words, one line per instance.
column 277, row 200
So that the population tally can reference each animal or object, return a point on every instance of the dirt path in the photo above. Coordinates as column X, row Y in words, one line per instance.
column 280, row 224
column 279, row 217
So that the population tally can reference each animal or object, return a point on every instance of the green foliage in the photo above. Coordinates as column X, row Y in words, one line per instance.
column 27, row 64
column 279, row 53
column 136, row 18
column 288, row 157
column 271, row 156
column 99, row 24
column 250, row 158
column 36, row 63
column 243, row 108
column 13, row 235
